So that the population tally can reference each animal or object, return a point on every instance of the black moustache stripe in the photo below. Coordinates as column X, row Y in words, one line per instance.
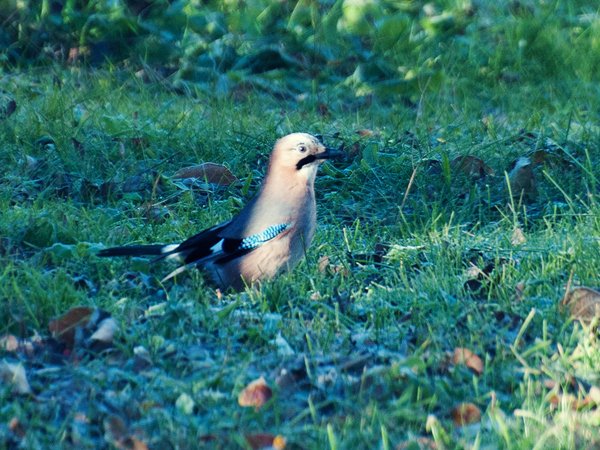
column 304, row 161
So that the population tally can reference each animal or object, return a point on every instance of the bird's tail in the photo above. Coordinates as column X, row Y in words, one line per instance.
column 137, row 250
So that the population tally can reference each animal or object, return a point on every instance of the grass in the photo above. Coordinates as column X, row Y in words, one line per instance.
column 372, row 334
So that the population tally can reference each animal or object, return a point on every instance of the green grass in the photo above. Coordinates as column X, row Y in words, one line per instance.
column 372, row 340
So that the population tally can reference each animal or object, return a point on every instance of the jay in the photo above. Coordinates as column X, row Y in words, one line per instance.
column 269, row 235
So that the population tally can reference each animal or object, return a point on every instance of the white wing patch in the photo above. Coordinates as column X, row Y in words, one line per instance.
column 169, row 248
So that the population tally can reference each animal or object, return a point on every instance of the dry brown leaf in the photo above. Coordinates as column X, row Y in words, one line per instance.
column 209, row 172
column 468, row 358
column 256, row 394
column 364, row 132
column 132, row 443
column 84, row 325
column 16, row 427
column 9, row 343
column 554, row 399
column 279, row 442
column 466, row 414
column 518, row 237
column 325, row 265
column 471, row 166
column 573, row 402
column 583, row 303
column 117, row 434
column 522, row 178
column 553, row 155
column 475, row 272
column 63, row 328
column 14, row 374
column 519, row 291
column 266, row 441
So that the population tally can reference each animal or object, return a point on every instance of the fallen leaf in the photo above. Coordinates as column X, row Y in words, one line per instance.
column 325, row 266
column 73, row 55
column 517, row 237
column 83, row 324
column 185, row 404
column 16, row 427
column 522, row 178
column 117, row 433
column 471, row 166
column 583, row 303
column 576, row 404
column 105, row 331
column 323, row 263
column 465, row 414
column 466, row 357
column 553, row 157
column 9, row 343
column 256, row 394
column 63, row 328
column 594, row 394
column 279, row 442
column 14, row 374
column 283, row 347
column 266, row 441
column 519, row 291
column 209, row 172
column 364, row 132
column 475, row 272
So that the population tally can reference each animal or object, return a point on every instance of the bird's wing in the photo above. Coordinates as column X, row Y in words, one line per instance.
column 198, row 247
column 210, row 246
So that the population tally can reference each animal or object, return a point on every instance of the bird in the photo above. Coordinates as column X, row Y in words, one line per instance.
column 269, row 235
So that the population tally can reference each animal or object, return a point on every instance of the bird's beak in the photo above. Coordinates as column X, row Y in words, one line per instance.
column 329, row 153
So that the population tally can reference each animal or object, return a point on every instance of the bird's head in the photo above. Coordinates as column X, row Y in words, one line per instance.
column 300, row 153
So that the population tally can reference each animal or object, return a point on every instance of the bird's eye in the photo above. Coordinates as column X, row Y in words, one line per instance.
column 302, row 148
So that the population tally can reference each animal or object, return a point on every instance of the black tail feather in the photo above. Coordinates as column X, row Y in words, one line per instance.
column 133, row 250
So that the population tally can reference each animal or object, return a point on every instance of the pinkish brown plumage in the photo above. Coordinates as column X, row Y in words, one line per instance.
column 269, row 235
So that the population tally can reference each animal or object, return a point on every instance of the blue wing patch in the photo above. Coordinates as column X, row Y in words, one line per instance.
column 256, row 240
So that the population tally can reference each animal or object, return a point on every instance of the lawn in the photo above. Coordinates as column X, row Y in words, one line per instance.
column 448, row 298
